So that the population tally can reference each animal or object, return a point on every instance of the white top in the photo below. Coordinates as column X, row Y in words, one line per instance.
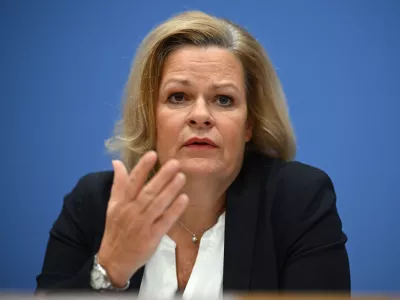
column 160, row 278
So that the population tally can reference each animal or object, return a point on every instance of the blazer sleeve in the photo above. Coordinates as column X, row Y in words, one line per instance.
column 310, row 232
column 71, row 246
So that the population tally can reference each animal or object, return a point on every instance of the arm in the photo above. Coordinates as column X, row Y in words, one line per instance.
column 71, row 246
column 137, row 214
column 314, row 243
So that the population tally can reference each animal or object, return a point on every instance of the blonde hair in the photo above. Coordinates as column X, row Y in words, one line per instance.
column 135, row 133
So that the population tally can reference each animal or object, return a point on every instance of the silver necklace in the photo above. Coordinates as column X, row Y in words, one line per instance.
column 195, row 239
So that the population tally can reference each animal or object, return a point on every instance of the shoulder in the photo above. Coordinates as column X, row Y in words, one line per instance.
column 292, row 189
column 81, row 218
column 90, row 194
column 301, row 206
column 299, row 179
column 302, row 194
column 291, row 176
column 94, row 183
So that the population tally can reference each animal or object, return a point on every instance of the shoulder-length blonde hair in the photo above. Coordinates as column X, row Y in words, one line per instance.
column 135, row 133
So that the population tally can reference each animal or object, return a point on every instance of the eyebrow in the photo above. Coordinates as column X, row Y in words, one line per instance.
column 176, row 80
column 187, row 82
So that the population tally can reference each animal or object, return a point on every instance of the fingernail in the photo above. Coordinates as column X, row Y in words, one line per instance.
column 152, row 153
column 182, row 175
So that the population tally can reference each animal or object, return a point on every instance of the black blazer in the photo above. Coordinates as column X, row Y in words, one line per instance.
column 282, row 232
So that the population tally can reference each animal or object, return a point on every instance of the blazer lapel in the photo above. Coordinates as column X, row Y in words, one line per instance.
column 241, row 224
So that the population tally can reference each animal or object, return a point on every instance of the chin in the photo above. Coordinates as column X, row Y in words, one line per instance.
column 201, row 166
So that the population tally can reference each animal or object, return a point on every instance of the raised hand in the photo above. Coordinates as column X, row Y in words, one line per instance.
column 139, row 214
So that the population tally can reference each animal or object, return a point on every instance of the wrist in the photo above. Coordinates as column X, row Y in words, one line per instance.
column 104, row 276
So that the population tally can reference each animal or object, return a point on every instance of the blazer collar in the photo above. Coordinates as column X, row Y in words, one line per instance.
column 241, row 222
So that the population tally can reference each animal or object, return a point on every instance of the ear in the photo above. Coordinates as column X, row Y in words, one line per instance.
column 249, row 130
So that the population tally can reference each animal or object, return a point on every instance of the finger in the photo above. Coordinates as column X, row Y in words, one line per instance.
column 139, row 174
column 171, row 215
column 119, row 180
column 151, row 190
column 165, row 198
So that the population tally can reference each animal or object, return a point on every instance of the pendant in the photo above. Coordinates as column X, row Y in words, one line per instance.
column 194, row 239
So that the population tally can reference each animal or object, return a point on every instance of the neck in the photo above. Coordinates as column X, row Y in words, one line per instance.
column 206, row 204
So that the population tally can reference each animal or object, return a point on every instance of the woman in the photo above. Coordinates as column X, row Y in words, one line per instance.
column 206, row 198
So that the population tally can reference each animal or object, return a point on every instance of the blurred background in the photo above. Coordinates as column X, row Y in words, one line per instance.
column 63, row 66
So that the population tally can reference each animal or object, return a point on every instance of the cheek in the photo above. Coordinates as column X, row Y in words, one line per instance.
column 163, row 128
column 168, row 130
column 234, row 129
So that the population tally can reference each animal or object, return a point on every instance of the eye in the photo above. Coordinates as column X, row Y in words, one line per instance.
column 223, row 100
column 176, row 98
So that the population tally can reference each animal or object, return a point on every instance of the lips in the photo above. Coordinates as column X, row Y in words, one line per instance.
column 195, row 141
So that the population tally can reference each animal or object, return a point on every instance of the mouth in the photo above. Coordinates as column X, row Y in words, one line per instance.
column 200, row 144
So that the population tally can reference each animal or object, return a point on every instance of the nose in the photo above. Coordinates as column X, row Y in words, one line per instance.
column 200, row 116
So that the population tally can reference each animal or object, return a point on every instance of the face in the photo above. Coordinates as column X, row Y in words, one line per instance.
column 201, row 111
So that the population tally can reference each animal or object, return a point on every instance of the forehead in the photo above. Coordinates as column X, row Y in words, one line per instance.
column 203, row 63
